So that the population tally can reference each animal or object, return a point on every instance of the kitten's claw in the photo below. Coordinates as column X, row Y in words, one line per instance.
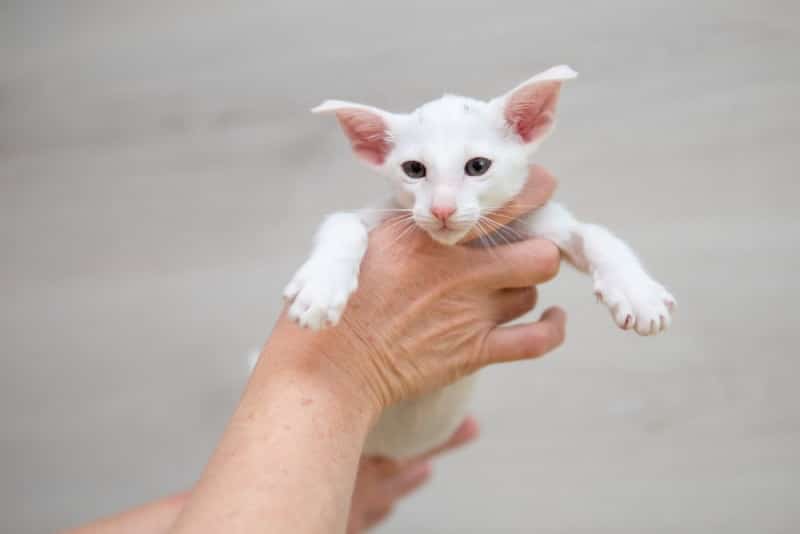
column 628, row 322
column 318, row 293
column 635, row 301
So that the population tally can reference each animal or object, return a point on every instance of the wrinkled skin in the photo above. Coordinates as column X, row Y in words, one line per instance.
column 437, row 318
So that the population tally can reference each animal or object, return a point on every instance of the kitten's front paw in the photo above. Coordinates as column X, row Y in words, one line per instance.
column 319, row 291
column 635, row 301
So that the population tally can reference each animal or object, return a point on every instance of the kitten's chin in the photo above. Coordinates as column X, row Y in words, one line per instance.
column 447, row 236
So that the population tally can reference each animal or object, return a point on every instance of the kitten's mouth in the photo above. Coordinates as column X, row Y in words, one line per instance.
column 448, row 232
column 447, row 235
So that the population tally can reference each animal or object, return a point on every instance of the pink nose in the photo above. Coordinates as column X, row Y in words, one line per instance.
column 442, row 212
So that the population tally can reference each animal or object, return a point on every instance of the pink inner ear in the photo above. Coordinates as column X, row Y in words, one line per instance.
column 531, row 109
column 367, row 132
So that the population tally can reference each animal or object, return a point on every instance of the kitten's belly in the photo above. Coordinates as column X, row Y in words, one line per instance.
column 415, row 426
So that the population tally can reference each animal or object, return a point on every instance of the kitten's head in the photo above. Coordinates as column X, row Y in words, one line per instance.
column 455, row 159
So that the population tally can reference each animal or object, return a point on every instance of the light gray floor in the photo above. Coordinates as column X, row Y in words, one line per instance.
column 160, row 177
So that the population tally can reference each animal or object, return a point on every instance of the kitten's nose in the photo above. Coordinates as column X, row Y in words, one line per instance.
column 442, row 212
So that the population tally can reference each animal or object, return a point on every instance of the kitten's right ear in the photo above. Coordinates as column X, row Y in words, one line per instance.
column 366, row 127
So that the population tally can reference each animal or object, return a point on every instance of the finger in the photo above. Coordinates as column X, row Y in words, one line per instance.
column 537, row 190
column 466, row 432
column 508, row 304
column 374, row 516
column 509, row 343
column 385, row 467
column 409, row 479
column 524, row 264
column 416, row 472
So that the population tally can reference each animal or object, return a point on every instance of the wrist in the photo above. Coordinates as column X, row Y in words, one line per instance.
column 313, row 366
column 296, row 437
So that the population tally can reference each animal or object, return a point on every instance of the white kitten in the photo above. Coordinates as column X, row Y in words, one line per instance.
column 451, row 161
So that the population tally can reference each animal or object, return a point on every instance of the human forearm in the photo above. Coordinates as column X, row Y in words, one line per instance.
column 152, row 518
column 287, row 461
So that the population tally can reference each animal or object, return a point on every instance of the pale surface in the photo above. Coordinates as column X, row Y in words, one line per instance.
column 160, row 177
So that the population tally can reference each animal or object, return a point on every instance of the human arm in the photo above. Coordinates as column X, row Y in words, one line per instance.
column 424, row 316
column 380, row 483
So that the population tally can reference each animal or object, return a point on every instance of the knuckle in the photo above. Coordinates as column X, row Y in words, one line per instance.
column 481, row 353
column 549, row 259
column 529, row 298
column 534, row 296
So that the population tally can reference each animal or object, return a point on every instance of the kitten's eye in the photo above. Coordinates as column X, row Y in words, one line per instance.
column 477, row 166
column 414, row 169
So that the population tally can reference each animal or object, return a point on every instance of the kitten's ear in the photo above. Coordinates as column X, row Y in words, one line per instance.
column 529, row 109
column 365, row 126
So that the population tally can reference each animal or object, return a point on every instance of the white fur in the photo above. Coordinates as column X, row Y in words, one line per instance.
column 444, row 134
column 320, row 288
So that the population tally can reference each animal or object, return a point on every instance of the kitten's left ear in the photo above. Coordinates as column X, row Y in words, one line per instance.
column 366, row 127
column 529, row 109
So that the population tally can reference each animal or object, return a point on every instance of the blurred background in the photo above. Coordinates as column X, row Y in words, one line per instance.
column 161, row 177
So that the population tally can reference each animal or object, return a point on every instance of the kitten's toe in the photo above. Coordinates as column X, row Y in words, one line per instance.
column 317, row 306
column 623, row 314
column 296, row 310
column 333, row 315
column 336, row 308
column 291, row 290
column 617, row 303
column 636, row 302
column 313, row 318
column 665, row 321
column 652, row 317
column 669, row 301
column 318, row 294
column 645, row 325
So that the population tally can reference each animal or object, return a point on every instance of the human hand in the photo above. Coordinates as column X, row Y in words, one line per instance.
column 427, row 314
column 381, row 482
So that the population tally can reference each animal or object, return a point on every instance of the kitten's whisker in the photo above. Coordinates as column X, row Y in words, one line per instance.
column 506, row 231
column 496, row 231
column 502, row 228
column 514, row 204
column 482, row 235
column 480, row 224
column 498, row 215
column 399, row 225
column 501, row 217
column 396, row 221
column 408, row 230
column 513, row 233
column 492, row 242
column 398, row 218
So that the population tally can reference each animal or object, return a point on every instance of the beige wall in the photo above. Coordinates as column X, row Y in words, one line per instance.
column 160, row 177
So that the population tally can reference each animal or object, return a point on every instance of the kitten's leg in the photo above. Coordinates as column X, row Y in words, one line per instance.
column 319, row 290
column 620, row 282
